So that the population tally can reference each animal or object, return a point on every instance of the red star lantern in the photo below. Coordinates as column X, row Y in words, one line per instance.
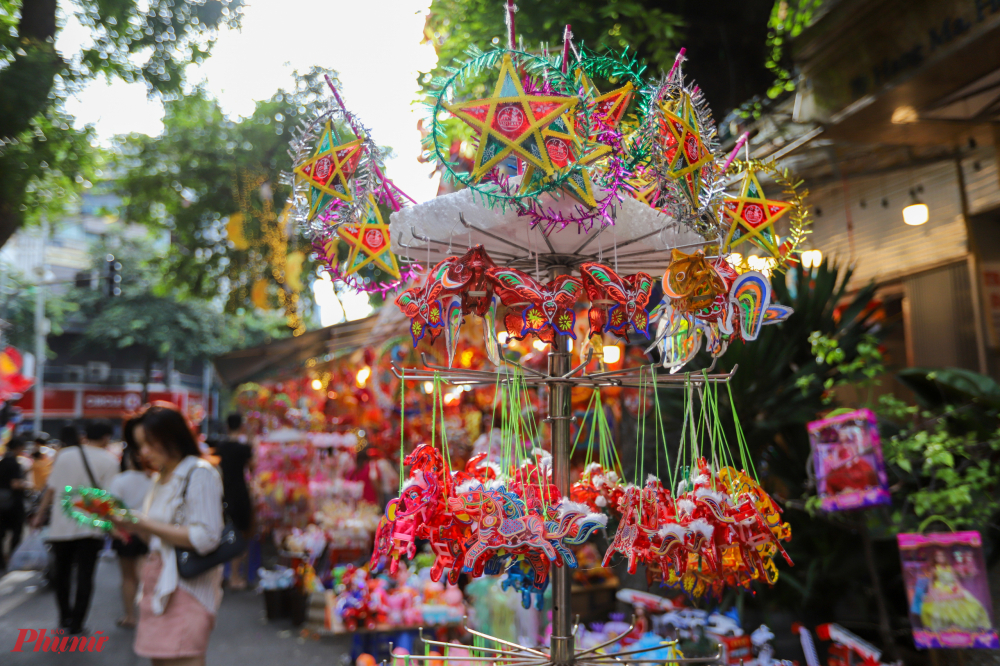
column 329, row 170
column 511, row 123
column 684, row 151
column 752, row 216
column 369, row 242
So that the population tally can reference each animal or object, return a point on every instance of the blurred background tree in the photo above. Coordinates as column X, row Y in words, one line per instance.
column 727, row 45
column 42, row 156
column 214, row 183
column 160, row 320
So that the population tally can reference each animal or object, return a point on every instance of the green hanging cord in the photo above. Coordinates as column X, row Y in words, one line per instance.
column 682, row 444
column 579, row 432
column 402, row 424
column 444, row 431
column 493, row 418
column 748, row 465
column 657, row 434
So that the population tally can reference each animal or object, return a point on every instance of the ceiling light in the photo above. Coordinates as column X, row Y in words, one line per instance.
column 362, row 376
column 539, row 345
column 917, row 212
column 904, row 115
column 317, row 385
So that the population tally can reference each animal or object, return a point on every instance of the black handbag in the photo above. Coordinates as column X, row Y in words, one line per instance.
column 190, row 564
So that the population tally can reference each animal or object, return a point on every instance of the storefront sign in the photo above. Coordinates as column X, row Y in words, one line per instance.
column 991, row 299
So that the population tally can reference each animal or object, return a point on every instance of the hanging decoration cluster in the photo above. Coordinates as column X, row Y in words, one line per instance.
column 502, row 515
column 703, row 300
column 545, row 133
column 712, row 529
column 342, row 199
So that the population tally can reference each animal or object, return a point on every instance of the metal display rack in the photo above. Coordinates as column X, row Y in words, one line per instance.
column 558, row 381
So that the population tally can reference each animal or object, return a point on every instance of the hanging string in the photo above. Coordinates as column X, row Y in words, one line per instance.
column 741, row 439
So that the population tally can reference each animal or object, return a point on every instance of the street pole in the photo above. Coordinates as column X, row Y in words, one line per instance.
column 206, row 388
column 559, row 415
column 40, row 331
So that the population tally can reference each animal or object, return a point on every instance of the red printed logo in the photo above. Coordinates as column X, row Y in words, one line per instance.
column 39, row 640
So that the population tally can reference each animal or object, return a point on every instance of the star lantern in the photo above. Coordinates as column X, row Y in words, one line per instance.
column 511, row 123
column 562, row 142
column 329, row 170
column 369, row 243
column 752, row 216
column 685, row 152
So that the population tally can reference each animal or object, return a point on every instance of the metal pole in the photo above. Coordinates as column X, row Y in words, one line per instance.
column 40, row 331
column 559, row 414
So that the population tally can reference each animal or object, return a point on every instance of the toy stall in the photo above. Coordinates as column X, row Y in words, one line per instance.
column 526, row 294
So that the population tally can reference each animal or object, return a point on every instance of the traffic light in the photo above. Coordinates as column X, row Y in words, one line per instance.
column 113, row 277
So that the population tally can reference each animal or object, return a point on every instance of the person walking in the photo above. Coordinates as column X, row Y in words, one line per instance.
column 12, row 487
column 182, row 510
column 73, row 545
column 131, row 487
column 235, row 457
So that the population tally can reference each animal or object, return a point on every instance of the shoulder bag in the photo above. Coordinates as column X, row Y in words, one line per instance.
column 190, row 564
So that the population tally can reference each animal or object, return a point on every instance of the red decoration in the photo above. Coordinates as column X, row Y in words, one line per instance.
column 542, row 309
column 627, row 295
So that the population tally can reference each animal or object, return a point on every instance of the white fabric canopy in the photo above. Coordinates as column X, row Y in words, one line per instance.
column 643, row 235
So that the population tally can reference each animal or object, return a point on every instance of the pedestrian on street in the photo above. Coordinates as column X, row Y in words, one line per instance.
column 12, row 487
column 235, row 458
column 131, row 487
column 183, row 510
column 74, row 545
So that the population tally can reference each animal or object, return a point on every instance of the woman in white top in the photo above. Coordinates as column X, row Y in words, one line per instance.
column 183, row 510
column 131, row 487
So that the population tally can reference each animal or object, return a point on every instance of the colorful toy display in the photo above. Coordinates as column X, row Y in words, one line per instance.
column 94, row 507
column 847, row 454
column 945, row 577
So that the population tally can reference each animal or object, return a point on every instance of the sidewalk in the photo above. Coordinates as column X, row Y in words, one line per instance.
column 242, row 636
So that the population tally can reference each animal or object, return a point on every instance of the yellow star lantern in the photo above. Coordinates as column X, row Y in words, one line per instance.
column 644, row 188
column 684, row 152
column 511, row 123
column 562, row 142
column 328, row 172
column 369, row 243
column 752, row 216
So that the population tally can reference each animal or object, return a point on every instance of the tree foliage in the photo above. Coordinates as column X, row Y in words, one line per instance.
column 204, row 169
column 160, row 320
column 151, row 41
column 727, row 46
column 17, row 309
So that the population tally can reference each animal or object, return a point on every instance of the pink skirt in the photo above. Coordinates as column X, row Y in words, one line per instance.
column 181, row 631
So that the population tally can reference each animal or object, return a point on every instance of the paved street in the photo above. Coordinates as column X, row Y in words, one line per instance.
column 242, row 635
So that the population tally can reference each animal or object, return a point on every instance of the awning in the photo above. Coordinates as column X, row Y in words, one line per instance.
column 285, row 358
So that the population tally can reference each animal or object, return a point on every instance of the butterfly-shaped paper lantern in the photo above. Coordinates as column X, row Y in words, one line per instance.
column 691, row 281
column 511, row 122
column 626, row 295
column 533, row 307
column 423, row 308
column 683, row 149
column 467, row 275
column 751, row 216
column 369, row 242
column 328, row 172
